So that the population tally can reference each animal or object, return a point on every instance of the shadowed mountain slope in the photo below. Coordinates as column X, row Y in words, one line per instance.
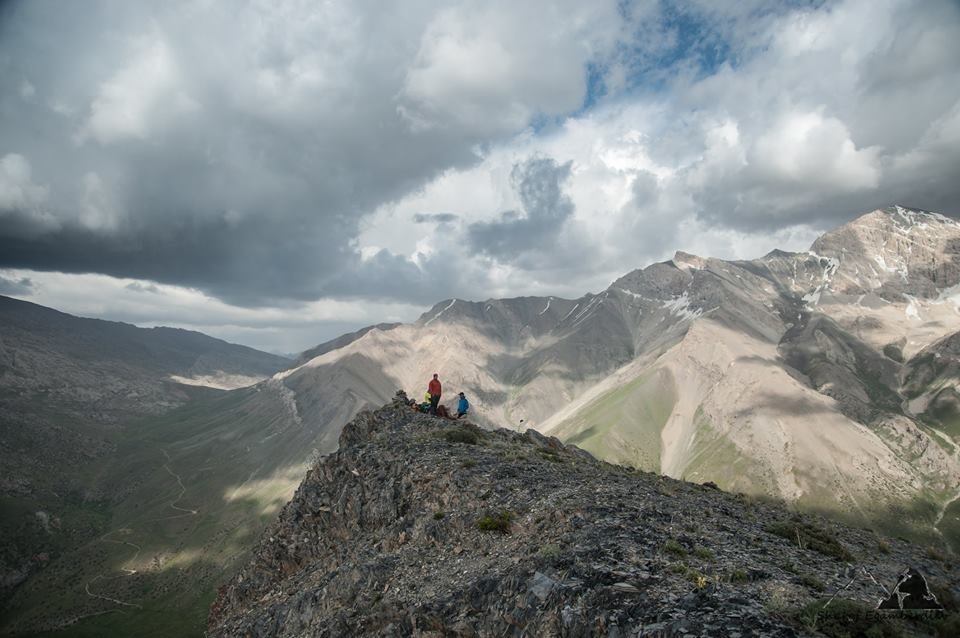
column 72, row 393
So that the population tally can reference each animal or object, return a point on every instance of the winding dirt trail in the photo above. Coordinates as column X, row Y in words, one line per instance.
column 183, row 490
column 130, row 572
column 138, row 548
column 101, row 596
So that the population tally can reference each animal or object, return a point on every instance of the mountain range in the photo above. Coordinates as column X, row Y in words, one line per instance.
column 826, row 379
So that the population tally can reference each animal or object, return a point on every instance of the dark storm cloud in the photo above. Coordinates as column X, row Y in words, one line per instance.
column 236, row 147
column 233, row 149
column 539, row 185
column 435, row 218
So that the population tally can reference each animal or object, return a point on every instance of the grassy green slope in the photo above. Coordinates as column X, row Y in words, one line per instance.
column 623, row 425
column 202, row 482
column 713, row 457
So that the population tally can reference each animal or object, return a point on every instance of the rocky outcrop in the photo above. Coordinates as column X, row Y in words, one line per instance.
column 428, row 527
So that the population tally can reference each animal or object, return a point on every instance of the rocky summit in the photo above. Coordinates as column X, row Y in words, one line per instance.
column 428, row 527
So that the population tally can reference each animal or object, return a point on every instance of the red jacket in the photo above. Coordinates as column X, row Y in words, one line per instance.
column 434, row 387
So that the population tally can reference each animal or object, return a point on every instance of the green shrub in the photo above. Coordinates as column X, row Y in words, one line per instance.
column 934, row 553
column 812, row 582
column 460, row 435
column 496, row 522
column 738, row 576
column 550, row 455
column 549, row 551
column 883, row 547
column 703, row 553
column 438, row 515
column 808, row 536
column 674, row 548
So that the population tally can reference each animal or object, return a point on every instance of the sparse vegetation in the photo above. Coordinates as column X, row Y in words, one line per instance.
column 550, row 455
column 935, row 553
column 666, row 490
column 461, row 435
column 808, row 536
column 696, row 578
column 497, row 522
column 549, row 551
column 674, row 548
column 438, row 515
column 468, row 464
column 738, row 576
column 812, row 582
column 703, row 553
column 883, row 547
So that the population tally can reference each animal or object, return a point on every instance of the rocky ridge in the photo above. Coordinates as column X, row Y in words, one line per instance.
column 425, row 527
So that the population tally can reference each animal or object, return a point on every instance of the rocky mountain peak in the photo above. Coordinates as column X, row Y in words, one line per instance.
column 688, row 261
column 423, row 526
column 893, row 252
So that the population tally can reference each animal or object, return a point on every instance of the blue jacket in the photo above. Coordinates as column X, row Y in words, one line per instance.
column 463, row 405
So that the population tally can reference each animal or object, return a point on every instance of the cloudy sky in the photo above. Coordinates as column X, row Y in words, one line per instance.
column 276, row 172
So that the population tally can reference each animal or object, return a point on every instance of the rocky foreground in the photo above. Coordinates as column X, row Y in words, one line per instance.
column 426, row 527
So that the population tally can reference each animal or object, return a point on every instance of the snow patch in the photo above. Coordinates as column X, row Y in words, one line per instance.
column 587, row 311
column 547, row 307
column 913, row 308
column 830, row 268
column 431, row 319
column 569, row 313
column 912, row 218
column 630, row 293
column 680, row 307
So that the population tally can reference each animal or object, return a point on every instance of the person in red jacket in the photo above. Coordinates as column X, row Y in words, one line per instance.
column 434, row 389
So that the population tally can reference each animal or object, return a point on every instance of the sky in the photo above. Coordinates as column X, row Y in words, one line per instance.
column 278, row 172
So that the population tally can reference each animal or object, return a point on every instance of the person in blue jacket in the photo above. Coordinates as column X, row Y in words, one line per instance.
column 462, row 406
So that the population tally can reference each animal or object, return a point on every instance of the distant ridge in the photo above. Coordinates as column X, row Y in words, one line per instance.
column 340, row 342
column 170, row 350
